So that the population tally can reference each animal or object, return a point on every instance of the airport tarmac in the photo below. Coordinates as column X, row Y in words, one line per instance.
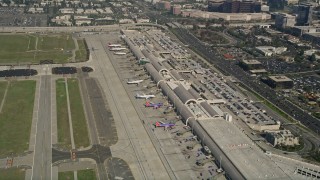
column 134, row 145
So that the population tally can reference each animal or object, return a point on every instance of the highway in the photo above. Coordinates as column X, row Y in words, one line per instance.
column 88, row 29
column 43, row 153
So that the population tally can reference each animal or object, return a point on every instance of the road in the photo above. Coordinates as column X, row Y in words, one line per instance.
column 42, row 154
column 103, row 28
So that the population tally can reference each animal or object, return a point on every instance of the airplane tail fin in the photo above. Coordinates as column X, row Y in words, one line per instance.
column 157, row 124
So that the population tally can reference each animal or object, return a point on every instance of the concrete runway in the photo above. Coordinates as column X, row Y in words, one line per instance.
column 42, row 154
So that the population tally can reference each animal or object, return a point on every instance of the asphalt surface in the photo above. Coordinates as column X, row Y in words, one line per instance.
column 134, row 145
column 87, row 107
column 96, row 152
column 104, row 123
column 118, row 168
column 42, row 155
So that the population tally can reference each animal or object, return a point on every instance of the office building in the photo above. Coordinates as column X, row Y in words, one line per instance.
column 279, row 82
column 215, row 5
column 250, row 64
column 163, row 5
column 304, row 14
column 176, row 9
column 282, row 138
column 234, row 6
column 283, row 20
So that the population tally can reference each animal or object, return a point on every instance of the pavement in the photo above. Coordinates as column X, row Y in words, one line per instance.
column 42, row 151
column 87, row 107
column 134, row 145
column 104, row 124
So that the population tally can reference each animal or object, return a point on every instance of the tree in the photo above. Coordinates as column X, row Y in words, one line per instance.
column 301, row 52
column 298, row 58
column 313, row 58
column 7, row 2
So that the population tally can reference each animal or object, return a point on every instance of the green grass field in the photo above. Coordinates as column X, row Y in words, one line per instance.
column 79, row 124
column 87, row 174
column 12, row 174
column 16, row 117
column 3, row 86
column 26, row 48
column 80, row 131
column 64, row 139
column 81, row 54
column 66, row 175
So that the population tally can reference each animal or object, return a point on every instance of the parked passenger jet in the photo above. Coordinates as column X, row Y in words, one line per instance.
column 165, row 125
column 117, row 49
column 134, row 82
column 144, row 96
column 114, row 45
column 154, row 105
column 120, row 53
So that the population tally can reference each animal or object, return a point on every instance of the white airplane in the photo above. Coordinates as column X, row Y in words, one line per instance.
column 114, row 45
column 118, row 49
column 120, row 53
column 144, row 96
column 134, row 82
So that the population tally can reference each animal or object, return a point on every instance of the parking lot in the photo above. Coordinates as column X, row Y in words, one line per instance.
column 281, row 67
column 233, row 53
column 14, row 16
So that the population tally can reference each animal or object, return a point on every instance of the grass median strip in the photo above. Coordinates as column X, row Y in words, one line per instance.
column 86, row 174
column 69, row 175
column 64, row 139
column 81, row 54
column 80, row 130
column 12, row 173
column 79, row 125
column 16, row 117
column 3, row 87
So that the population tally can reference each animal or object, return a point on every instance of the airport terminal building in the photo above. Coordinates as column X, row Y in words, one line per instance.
column 240, row 157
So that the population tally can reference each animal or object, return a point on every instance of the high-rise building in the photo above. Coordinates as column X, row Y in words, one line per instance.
column 304, row 14
column 163, row 5
column 176, row 9
column 283, row 20
column 234, row 6
column 215, row 5
column 246, row 6
column 231, row 7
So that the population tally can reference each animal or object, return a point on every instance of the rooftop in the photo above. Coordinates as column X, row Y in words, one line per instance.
column 245, row 155
column 280, row 78
column 251, row 61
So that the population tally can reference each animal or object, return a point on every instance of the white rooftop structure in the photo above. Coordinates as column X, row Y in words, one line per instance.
column 245, row 155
